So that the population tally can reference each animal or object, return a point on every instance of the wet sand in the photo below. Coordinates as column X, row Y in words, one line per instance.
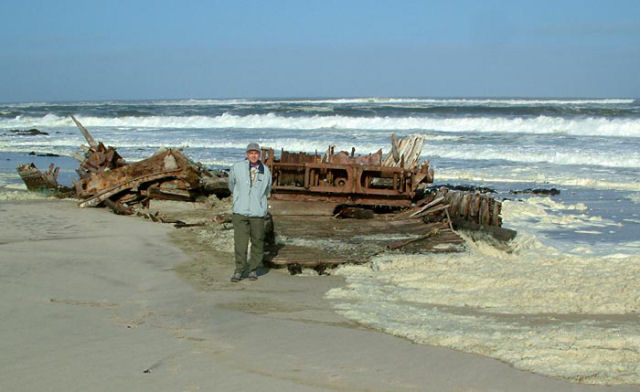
column 99, row 302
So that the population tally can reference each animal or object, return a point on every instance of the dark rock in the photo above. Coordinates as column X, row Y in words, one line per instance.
column 537, row 191
column 464, row 188
column 28, row 132
column 43, row 154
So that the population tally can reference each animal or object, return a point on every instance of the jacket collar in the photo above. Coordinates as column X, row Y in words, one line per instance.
column 260, row 165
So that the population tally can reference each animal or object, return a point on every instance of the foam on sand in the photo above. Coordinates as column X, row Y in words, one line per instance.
column 573, row 316
column 15, row 195
column 566, row 316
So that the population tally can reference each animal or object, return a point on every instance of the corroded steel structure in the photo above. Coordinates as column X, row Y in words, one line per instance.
column 345, row 178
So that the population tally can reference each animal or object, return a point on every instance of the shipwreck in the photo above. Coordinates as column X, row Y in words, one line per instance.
column 331, row 207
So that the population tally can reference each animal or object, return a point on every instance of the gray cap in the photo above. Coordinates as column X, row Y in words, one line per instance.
column 253, row 147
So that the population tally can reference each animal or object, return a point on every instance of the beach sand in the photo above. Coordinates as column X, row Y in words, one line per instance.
column 92, row 301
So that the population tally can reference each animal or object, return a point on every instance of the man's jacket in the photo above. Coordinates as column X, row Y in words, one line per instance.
column 250, row 199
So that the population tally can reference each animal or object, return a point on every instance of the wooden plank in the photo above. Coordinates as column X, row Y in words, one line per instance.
column 430, row 204
column 433, row 209
column 400, row 244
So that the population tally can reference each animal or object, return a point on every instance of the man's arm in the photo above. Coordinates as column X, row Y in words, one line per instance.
column 232, row 179
column 269, row 183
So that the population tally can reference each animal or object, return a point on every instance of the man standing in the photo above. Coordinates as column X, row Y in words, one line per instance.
column 250, row 184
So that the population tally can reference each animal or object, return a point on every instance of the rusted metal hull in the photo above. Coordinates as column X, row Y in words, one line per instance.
column 167, row 173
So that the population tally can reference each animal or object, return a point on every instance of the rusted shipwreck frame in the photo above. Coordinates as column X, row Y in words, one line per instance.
column 342, row 178
column 311, row 190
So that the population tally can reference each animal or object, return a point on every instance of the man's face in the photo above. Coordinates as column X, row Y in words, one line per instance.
column 253, row 156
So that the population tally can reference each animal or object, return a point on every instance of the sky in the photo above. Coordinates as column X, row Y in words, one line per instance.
column 103, row 50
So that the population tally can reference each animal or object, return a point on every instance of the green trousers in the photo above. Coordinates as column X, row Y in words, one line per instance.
column 244, row 229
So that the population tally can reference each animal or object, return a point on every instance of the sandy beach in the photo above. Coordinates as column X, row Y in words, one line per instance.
column 98, row 302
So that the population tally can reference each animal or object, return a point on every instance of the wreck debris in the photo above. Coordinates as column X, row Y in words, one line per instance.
column 318, row 201
column 167, row 174
column 35, row 180
column 106, row 178
column 397, row 245
column 476, row 207
column 319, row 241
column 348, row 179
column 38, row 181
column 97, row 158
column 404, row 153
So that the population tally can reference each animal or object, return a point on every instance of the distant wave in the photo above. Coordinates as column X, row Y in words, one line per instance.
column 362, row 100
column 590, row 126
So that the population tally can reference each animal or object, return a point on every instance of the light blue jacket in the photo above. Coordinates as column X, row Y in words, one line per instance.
column 249, row 199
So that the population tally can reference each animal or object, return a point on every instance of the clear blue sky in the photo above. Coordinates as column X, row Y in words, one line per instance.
column 93, row 50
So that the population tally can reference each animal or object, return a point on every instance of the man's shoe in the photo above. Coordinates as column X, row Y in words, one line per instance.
column 253, row 275
column 236, row 277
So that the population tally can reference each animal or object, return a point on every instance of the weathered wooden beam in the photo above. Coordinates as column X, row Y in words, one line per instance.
column 92, row 142
column 430, row 204
column 400, row 244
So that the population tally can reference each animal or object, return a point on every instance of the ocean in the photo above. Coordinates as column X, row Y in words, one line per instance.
column 561, row 299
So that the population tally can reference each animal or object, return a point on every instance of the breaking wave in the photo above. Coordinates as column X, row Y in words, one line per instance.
column 564, row 179
column 590, row 126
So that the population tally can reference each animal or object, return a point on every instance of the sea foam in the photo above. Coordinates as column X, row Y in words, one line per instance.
column 527, row 304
